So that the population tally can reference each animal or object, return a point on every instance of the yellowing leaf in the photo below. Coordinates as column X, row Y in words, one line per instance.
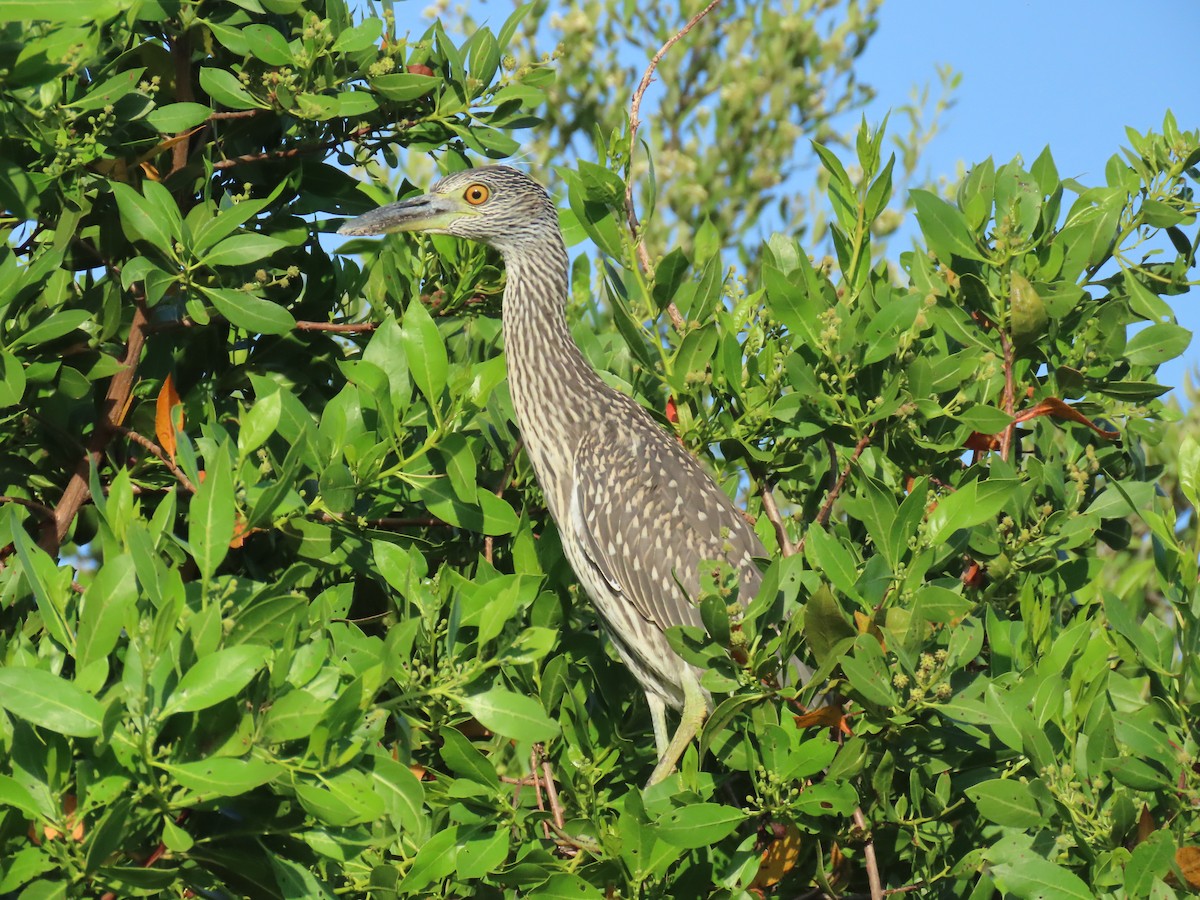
column 165, row 423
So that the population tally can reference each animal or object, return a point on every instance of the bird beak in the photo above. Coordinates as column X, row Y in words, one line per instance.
column 432, row 212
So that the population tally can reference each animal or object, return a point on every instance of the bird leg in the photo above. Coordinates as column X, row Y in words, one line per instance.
column 695, row 711
column 658, row 718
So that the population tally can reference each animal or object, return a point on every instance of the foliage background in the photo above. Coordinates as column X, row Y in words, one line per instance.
column 283, row 612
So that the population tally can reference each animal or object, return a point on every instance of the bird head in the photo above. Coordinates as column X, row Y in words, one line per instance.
column 495, row 205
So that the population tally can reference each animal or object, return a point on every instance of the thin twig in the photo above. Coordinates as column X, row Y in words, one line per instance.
column 551, row 789
column 158, row 451
column 339, row 327
column 827, row 506
column 786, row 547
column 635, row 106
column 237, row 114
column 1006, row 437
column 869, row 851
column 40, row 508
column 537, row 787
column 389, row 521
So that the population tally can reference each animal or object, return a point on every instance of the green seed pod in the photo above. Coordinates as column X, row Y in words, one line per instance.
column 1028, row 314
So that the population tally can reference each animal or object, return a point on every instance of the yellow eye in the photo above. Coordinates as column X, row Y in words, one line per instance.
column 476, row 194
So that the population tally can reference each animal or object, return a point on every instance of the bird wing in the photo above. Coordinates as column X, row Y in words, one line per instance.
column 646, row 514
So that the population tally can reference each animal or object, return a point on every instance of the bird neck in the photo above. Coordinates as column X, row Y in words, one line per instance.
column 554, row 389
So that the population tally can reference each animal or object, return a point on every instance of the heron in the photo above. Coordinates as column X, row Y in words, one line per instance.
column 637, row 513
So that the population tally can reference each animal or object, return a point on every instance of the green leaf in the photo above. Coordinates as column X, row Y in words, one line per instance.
column 105, row 603
column 224, row 87
column 972, row 504
column 210, row 523
column 827, row 555
column 1025, row 875
column 80, row 11
column 512, row 715
column 465, row 760
column 15, row 795
column 868, row 673
column 566, row 886
column 254, row 314
column 42, row 575
column 12, row 380
column 259, row 422
column 359, row 38
column 405, row 86
column 51, row 328
column 1150, row 863
column 1155, row 345
column 224, row 777
column 424, row 351
column 699, row 824
column 945, row 227
column 401, row 791
column 50, row 702
column 215, row 678
column 176, row 117
column 268, row 45
column 140, row 219
column 1006, row 802
column 242, row 249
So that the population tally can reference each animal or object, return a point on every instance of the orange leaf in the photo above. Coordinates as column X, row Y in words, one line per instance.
column 779, row 858
column 982, row 442
column 239, row 532
column 164, row 420
column 672, row 411
column 1052, row 406
column 1188, row 860
column 825, row 716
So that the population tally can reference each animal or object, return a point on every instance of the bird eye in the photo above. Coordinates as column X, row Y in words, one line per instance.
column 476, row 194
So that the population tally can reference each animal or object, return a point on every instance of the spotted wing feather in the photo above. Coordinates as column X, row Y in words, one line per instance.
column 648, row 514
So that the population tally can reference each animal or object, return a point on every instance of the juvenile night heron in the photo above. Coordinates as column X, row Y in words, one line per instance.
column 636, row 512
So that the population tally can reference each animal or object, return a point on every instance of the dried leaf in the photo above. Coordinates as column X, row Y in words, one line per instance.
column 825, row 717
column 164, row 420
column 779, row 858
column 1188, row 860
column 1145, row 827
column 1052, row 406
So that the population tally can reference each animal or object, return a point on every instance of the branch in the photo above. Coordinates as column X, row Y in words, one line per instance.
column 869, row 852
column 786, row 547
column 1006, row 436
column 634, row 108
column 158, row 451
column 116, row 404
column 827, row 506
column 389, row 522
column 181, row 54
column 338, row 327
column 40, row 508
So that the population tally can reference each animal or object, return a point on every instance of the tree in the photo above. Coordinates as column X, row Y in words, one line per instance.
column 284, row 614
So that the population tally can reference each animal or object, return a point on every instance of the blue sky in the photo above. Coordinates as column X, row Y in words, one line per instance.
column 1071, row 74
column 1067, row 73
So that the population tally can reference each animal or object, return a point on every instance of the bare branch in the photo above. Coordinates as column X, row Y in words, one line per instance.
column 40, row 508
column 634, row 108
column 786, row 547
column 116, row 404
column 827, row 506
column 869, row 851
column 158, row 451
column 338, row 327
